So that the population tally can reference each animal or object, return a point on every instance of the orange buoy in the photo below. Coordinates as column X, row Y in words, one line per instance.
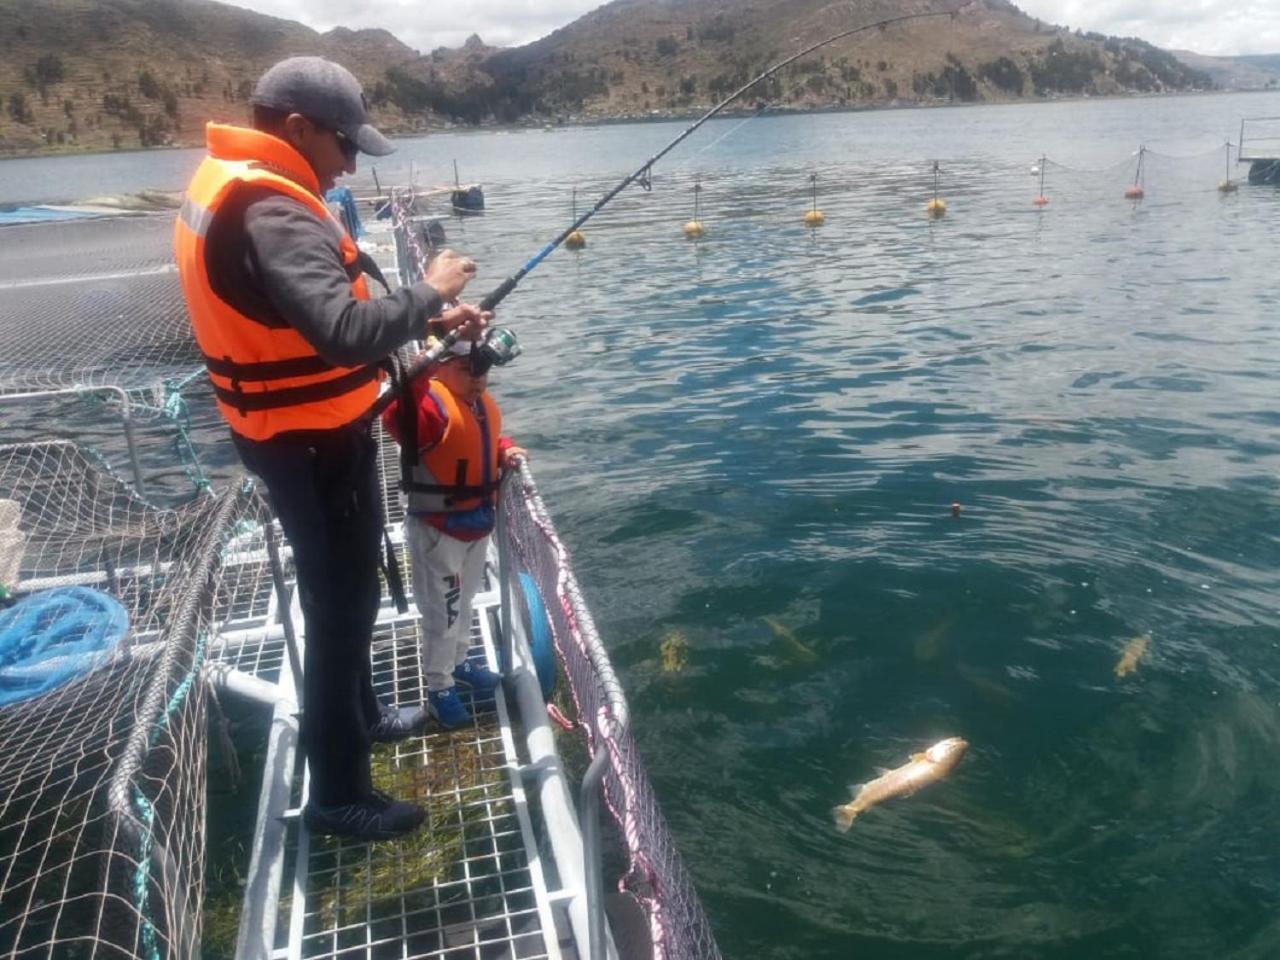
column 1042, row 200
column 1136, row 192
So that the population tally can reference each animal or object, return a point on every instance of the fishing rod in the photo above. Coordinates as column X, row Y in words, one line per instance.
column 643, row 176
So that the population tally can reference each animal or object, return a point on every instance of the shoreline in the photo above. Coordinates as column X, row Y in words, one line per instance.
column 666, row 117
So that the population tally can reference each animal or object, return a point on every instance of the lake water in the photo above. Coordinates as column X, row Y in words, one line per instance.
column 752, row 445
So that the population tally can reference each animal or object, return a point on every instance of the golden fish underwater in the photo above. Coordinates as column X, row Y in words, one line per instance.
column 1134, row 651
column 920, row 771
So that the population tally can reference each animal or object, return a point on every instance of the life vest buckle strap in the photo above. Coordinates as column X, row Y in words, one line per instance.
column 294, row 396
column 450, row 490
column 267, row 370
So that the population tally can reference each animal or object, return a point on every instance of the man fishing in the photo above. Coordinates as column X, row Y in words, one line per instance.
column 280, row 307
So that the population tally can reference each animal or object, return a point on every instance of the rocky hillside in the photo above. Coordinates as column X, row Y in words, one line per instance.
column 1236, row 73
column 130, row 73
column 632, row 57
column 77, row 74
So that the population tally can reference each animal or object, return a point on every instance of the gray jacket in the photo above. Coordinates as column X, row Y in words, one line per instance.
column 271, row 259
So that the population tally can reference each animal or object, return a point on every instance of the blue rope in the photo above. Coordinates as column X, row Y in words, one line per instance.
column 54, row 636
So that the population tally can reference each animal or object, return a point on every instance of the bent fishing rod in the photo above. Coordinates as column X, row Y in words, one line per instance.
column 642, row 176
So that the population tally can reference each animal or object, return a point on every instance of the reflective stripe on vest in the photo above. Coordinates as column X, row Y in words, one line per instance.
column 266, row 380
column 463, row 466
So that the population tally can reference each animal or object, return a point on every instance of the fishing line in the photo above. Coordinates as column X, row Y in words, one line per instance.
column 723, row 137
column 642, row 176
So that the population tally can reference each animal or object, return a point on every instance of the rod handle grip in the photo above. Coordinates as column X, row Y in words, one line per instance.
column 498, row 295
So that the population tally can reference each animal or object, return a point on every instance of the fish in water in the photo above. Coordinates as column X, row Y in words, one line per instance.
column 797, row 649
column 920, row 771
column 674, row 650
column 1134, row 651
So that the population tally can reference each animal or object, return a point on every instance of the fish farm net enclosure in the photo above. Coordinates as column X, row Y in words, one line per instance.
column 132, row 610
column 91, row 303
column 94, row 337
column 102, row 775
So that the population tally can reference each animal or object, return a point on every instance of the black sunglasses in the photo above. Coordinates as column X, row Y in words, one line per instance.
column 345, row 144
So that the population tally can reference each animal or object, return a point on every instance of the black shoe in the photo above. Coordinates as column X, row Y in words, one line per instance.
column 397, row 723
column 377, row 818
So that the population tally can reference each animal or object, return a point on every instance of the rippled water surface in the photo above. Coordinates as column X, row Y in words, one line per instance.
column 752, row 444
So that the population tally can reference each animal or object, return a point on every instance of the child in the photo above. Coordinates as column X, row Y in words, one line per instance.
column 460, row 454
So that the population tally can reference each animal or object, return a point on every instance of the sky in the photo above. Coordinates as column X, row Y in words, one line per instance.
column 1221, row 27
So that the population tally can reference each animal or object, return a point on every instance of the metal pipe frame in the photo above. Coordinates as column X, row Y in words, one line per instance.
column 255, row 939
column 131, row 441
column 575, row 839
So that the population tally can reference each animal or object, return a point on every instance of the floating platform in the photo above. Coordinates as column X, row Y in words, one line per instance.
column 1259, row 146
column 511, row 862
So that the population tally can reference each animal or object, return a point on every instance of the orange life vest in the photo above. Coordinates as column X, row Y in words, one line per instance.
column 461, row 471
column 266, row 380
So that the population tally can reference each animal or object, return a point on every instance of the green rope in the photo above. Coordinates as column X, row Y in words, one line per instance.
column 175, row 408
column 146, row 811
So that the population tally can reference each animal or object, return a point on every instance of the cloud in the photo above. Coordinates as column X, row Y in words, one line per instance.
column 427, row 26
column 1222, row 27
column 1216, row 27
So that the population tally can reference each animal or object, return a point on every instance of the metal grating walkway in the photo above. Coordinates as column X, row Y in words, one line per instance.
column 464, row 885
column 469, row 883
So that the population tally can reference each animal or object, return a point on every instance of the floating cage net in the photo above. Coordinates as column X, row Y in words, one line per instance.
column 92, row 303
column 655, row 875
column 93, row 309
column 102, row 775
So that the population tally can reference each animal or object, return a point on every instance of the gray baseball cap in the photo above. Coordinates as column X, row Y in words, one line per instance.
column 325, row 92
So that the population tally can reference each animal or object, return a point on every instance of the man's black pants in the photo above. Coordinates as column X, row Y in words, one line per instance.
column 324, row 488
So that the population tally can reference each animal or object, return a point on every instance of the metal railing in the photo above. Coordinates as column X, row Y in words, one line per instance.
column 655, row 876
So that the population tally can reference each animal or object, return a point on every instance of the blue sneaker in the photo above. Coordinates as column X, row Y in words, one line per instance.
column 477, row 676
column 448, row 710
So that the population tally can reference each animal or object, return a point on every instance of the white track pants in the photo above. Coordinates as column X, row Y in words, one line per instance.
column 447, row 572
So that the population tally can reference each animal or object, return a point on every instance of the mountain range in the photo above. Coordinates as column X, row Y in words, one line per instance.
column 97, row 74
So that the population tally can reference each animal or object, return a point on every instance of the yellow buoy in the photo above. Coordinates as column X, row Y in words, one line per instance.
column 694, row 229
column 575, row 240
column 814, row 217
column 1228, row 185
column 937, row 207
